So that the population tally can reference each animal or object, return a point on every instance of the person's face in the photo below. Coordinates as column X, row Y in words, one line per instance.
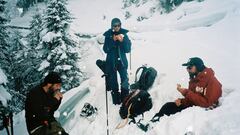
column 116, row 27
column 191, row 69
column 55, row 87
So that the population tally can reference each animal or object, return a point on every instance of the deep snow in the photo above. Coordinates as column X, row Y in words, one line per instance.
column 209, row 29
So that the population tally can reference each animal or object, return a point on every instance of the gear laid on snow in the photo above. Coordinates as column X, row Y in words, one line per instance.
column 145, row 126
column 141, row 102
column 142, row 126
column 88, row 110
column 146, row 79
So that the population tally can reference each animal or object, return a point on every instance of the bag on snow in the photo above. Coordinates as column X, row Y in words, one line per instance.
column 146, row 79
column 140, row 102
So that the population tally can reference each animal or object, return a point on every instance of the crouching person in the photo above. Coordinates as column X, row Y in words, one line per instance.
column 204, row 90
column 41, row 103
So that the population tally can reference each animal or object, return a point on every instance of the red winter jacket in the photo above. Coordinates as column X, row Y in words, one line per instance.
column 204, row 90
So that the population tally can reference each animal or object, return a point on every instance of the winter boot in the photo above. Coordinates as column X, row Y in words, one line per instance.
column 124, row 93
column 88, row 110
column 116, row 98
column 155, row 118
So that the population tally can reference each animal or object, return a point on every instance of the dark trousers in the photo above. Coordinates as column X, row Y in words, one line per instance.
column 113, row 78
column 169, row 108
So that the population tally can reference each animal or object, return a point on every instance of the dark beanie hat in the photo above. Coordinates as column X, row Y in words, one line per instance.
column 115, row 21
column 195, row 61
column 52, row 77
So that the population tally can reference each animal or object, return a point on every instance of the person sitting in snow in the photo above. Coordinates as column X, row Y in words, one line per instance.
column 116, row 45
column 41, row 103
column 204, row 90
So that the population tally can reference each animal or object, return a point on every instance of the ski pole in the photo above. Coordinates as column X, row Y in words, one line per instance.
column 106, row 104
column 107, row 113
column 130, row 66
column 5, row 123
column 130, row 62
column 11, row 121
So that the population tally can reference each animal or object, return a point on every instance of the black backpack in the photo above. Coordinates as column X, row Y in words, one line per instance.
column 137, row 102
column 146, row 79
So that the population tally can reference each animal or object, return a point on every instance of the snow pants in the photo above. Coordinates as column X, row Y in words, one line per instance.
column 169, row 108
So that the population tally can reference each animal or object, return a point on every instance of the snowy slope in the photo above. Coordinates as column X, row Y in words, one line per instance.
column 209, row 29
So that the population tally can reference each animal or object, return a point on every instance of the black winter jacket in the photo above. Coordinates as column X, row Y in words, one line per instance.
column 39, row 107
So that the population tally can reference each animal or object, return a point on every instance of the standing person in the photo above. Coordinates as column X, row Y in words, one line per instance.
column 41, row 103
column 204, row 90
column 116, row 45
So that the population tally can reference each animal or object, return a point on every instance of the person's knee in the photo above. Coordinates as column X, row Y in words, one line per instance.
column 125, row 85
column 168, row 108
column 124, row 82
column 168, row 105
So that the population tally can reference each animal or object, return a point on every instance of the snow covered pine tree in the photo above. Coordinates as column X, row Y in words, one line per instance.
column 58, row 50
column 3, row 38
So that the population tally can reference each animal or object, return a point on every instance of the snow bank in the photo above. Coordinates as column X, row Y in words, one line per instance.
column 4, row 95
column 159, row 43
column 164, row 42
column 3, row 77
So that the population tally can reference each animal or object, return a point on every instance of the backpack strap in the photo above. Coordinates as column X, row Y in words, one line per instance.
column 125, row 121
column 144, row 77
column 133, row 95
column 142, row 67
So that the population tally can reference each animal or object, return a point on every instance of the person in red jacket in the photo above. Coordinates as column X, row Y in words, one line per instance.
column 204, row 90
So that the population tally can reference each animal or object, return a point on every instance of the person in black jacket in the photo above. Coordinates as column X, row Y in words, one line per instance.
column 116, row 45
column 41, row 103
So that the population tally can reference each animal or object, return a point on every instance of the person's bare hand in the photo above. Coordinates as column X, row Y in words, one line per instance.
column 58, row 95
column 180, row 89
column 178, row 102
column 120, row 38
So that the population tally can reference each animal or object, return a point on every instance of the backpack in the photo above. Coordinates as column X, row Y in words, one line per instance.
column 138, row 101
column 146, row 79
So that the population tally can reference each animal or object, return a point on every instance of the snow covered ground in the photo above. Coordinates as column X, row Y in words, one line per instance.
column 209, row 30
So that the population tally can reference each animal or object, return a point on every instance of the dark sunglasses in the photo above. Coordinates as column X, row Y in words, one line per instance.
column 189, row 67
column 118, row 25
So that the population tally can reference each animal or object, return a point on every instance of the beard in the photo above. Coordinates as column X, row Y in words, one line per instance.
column 51, row 91
column 192, row 75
